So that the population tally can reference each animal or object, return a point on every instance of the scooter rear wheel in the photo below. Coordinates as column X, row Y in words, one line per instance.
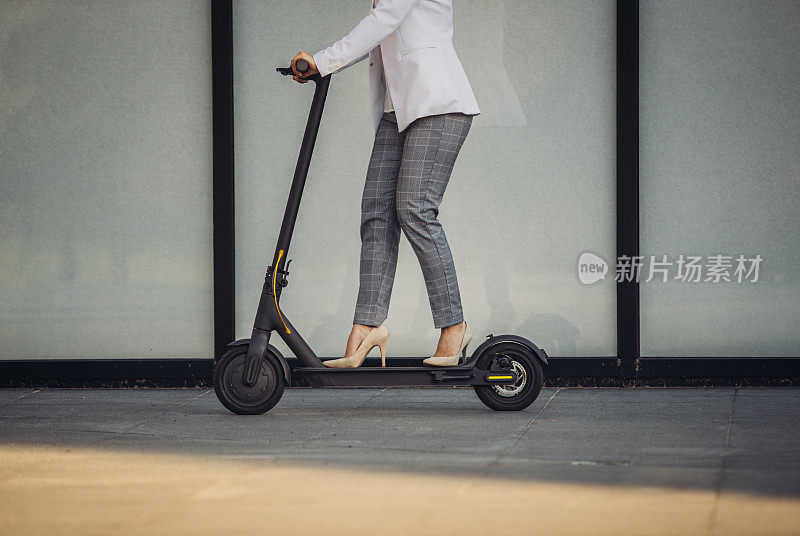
column 523, row 392
column 239, row 398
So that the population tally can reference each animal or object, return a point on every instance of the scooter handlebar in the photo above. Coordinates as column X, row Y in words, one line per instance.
column 302, row 66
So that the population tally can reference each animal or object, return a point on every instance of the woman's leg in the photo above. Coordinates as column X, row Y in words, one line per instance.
column 380, row 229
column 429, row 153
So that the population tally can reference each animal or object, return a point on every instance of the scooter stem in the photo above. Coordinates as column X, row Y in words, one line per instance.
column 268, row 315
column 301, row 170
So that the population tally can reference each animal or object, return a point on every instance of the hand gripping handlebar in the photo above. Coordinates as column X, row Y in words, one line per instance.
column 302, row 66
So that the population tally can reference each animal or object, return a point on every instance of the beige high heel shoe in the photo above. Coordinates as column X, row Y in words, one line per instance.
column 452, row 360
column 377, row 336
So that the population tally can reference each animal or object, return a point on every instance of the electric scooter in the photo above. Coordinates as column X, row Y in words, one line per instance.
column 249, row 379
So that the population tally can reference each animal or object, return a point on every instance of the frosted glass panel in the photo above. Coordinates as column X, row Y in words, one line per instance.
column 105, row 179
column 532, row 189
column 720, row 173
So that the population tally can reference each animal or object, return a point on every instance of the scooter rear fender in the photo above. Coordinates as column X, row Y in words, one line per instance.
column 498, row 339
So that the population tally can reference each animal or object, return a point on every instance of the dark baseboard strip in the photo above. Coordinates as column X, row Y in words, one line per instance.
column 595, row 367
column 562, row 371
column 722, row 367
column 106, row 372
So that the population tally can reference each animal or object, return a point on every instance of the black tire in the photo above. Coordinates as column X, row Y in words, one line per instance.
column 243, row 400
column 511, row 397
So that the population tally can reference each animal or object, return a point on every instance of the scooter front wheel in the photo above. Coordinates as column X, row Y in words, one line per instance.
column 242, row 399
column 522, row 393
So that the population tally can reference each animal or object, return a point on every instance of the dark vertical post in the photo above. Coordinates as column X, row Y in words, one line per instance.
column 223, row 219
column 628, row 180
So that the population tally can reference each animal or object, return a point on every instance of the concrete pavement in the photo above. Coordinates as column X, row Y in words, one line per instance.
column 421, row 461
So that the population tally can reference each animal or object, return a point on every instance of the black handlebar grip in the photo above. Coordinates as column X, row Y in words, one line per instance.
column 300, row 65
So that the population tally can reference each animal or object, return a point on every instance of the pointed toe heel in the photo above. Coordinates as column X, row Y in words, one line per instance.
column 459, row 357
column 377, row 336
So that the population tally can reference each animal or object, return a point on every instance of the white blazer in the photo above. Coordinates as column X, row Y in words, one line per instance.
column 413, row 41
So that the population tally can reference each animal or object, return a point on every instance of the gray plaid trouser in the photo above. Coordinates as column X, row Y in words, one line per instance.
column 407, row 175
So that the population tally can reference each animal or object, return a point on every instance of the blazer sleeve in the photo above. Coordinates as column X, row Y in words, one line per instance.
column 345, row 66
column 374, row 28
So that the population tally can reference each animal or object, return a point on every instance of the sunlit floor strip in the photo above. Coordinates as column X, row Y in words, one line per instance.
column 54, row 491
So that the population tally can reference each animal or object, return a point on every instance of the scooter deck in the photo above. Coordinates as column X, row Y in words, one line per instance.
column 402, row 376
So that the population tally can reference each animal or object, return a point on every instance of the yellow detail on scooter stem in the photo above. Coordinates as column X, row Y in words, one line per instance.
column 275, row 294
